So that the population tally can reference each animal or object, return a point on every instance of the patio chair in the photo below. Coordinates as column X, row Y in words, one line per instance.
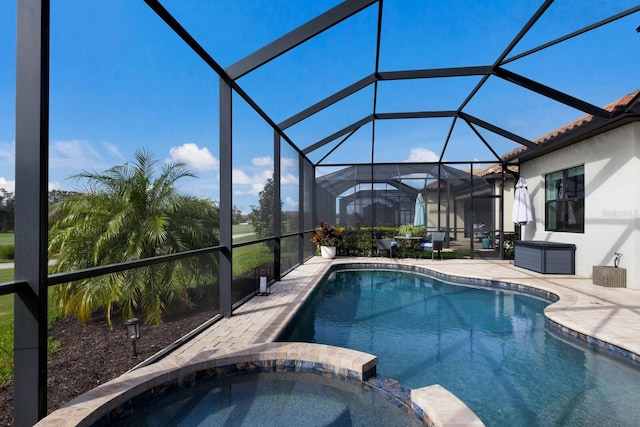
column 434, row 243
column 383, row 244
column 479, row 231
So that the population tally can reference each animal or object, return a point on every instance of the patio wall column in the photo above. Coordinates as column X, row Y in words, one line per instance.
column 301, row 207
column 501, row 219
column 226, row 198
column 277, row 206
column 473, row 212
column 314, row 198
column 32, row 157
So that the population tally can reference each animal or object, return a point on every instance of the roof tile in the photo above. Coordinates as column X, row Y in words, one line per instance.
column 614, row 107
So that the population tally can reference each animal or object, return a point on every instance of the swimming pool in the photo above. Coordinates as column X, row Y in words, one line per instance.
column 489, row 347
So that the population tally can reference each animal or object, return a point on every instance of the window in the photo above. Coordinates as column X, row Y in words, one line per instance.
column 564, row 200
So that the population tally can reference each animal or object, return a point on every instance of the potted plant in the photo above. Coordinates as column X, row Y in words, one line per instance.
column 326, row 239
column 406, row 230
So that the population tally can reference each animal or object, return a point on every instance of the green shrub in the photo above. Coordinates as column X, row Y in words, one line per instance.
column 508, row 244
column 355, row 242
column 6, row 251
column 361, row 241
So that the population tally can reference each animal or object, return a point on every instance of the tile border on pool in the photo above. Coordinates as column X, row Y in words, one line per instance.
column 592, row 342
column 595, row 343
column 456, row 280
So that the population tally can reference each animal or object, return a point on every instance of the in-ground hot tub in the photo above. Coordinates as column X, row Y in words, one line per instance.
column 339, row 383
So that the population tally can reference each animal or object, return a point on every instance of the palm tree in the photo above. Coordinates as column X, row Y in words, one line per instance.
column 126, row 214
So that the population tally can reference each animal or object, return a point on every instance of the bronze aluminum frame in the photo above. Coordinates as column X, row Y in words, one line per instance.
column 32, row 115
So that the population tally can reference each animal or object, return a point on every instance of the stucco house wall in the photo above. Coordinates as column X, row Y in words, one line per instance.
column 509, row 194
column 612, row 201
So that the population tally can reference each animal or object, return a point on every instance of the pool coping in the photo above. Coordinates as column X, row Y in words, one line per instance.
column 576, row 313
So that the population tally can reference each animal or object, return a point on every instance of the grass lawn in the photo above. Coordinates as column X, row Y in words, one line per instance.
column 246, row 258
column 6, row 247
column 242, row 229
column 245, row 230
column 6, row 328
column 6, row 275
column 6, row 309
column 6, row 238
column 6, row 301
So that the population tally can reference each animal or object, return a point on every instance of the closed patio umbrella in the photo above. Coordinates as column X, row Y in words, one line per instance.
column 522, row 213
column 418, row 217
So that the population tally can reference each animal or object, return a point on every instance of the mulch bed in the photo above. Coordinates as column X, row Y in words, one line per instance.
column 93, row 354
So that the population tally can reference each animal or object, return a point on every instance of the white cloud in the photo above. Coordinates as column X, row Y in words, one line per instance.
column 239, row 177
column 114, row 150
column 290, row 202
column 253, row 190
column 267, row 161
column 258, row 181
column 9, row 186
column 289, row 178
column 75, row 154
column 263, row 176
column 7, row 153
column 262, row 161
column 69, row 156
column 256, row 188
column 249, row 185
column 198, row 158
column 7, row 157
column 287, row 162
column 422, row 155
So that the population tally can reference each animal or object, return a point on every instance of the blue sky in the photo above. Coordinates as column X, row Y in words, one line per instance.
column 121, row 81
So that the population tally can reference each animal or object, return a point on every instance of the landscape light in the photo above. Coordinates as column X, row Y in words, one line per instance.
column 133, row 332
column 263, row 284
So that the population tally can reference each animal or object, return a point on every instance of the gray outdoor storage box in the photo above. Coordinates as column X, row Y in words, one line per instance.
column 545, row 257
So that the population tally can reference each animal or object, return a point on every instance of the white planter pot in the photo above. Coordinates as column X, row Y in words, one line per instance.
column 328, row 251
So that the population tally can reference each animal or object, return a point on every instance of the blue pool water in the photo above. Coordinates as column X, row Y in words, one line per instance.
column 270, row 399
column 488, row 347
